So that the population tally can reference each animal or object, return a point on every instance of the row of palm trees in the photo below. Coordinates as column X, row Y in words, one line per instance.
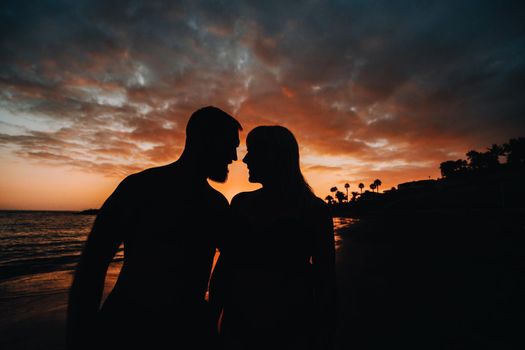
column 341, row 197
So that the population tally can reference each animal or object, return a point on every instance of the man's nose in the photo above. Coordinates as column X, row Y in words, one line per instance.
column 234, row 155
column 245, row 159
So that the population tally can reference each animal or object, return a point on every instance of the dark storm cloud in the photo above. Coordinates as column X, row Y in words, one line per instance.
column 375, row 80
column 452, row 65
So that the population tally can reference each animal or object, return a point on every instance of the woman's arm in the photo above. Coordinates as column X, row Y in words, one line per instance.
column 323, row 261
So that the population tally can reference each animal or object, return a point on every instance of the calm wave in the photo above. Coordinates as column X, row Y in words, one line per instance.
column 36, row 242
column 39, row 250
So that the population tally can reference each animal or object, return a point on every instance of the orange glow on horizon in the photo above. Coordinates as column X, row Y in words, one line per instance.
column 25, row 186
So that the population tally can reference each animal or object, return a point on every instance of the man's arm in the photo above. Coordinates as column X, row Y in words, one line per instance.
column 88, row 283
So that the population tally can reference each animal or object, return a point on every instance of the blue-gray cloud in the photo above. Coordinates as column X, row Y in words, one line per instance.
column 346, row 76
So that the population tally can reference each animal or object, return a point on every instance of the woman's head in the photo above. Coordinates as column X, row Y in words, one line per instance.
column 273, row 158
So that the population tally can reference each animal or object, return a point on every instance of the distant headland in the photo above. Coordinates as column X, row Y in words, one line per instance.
column 88, row 212
column 482, row 181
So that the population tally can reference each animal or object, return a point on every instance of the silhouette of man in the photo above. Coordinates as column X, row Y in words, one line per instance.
column 168, row 218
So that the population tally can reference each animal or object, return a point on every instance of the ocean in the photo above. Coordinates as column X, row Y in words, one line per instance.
column 37, row 242
column 411, row 272
column 39, row 251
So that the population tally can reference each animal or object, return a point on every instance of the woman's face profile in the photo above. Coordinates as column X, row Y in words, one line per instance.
column 258, row 163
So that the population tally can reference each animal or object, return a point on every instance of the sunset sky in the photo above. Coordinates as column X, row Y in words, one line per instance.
column 93, row 90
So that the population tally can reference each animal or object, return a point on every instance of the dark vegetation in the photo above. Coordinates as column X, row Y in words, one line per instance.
column 438, row 264
column 482, row 181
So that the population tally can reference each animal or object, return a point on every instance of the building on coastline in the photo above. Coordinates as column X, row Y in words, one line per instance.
column 417, row 185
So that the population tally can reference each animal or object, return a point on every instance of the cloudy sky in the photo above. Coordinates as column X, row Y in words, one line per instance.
column 93, row 90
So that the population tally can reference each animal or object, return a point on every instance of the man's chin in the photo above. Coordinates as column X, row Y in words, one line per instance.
column 253, row 180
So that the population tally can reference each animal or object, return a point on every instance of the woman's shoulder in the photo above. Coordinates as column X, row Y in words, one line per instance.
column 316, row 207
column 316, row 203
column 244, row 197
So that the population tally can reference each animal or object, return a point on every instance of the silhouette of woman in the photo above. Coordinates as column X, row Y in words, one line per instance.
column 275, row 278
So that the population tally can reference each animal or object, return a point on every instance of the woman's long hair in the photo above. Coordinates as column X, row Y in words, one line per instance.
column 280, row 146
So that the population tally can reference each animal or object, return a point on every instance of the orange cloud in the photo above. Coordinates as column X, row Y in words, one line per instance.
column 87, row 89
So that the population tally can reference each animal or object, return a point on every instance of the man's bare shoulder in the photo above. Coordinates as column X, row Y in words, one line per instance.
column 135, row 183
column 156, row 176
column 172, row 177
column 151, row 173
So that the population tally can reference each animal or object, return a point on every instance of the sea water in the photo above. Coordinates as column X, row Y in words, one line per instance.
column 39, row 251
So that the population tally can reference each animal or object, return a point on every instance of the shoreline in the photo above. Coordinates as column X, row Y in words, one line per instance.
column 435, row 280
column 402, row 279
column 38, row 321
column 34, row 311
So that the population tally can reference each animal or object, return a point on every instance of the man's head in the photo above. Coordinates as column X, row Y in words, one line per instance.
column 212, row 138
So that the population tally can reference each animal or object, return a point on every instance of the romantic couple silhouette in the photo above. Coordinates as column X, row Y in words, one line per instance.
column 273, row 284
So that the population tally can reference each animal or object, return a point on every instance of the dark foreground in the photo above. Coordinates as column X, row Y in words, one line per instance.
column 433, row 280
column 418, row 280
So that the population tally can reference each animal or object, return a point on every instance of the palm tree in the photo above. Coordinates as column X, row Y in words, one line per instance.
column 347, row 186
column 340, row 196
column 361, row 186
column 334, row 190
column 372, row 186
column 329, row 199
column 354, row 196
column 377, row 183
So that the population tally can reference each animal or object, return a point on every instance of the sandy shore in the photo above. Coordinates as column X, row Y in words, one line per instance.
column 37, row 322
column 433, row 280
column 418, row 281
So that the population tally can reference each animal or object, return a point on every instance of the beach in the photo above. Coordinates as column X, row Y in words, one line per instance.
column 432, row 280
column 40, row 253
column 37, row 321
column 427, row 280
